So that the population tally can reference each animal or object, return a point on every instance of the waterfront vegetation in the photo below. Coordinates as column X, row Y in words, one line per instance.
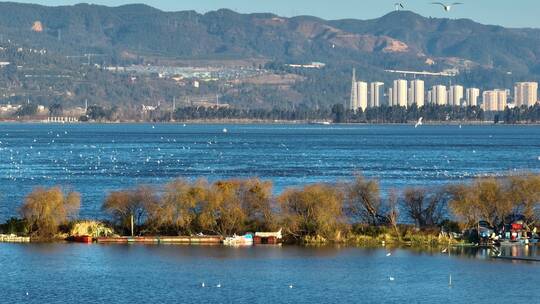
column 354, row 212
column 336, row 113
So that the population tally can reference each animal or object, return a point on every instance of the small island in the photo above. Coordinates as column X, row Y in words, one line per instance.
column 482, row 212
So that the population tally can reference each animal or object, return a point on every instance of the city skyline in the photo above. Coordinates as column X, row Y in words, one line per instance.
column 483, row 11
column 405, row 93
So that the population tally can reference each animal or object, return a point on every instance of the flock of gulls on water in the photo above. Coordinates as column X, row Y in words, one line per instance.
column 66, row 154
column 204, row 285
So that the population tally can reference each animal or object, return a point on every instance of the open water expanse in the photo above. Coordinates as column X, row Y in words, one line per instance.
column 96, row 158
column 77, row 273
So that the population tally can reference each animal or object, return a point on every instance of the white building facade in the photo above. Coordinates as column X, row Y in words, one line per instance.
column 417, row 93
column 526, row 94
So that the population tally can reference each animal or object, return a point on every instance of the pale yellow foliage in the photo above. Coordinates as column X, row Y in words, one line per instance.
column 92, row 228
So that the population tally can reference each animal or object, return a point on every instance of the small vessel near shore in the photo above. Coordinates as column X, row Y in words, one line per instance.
column 259, row 238
column 270, row 238
column 515, row 233
column 86, row 239
column 239, row 240
column 324, row 123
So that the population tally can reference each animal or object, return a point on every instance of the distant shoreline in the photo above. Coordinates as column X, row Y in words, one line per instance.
column 269, row 122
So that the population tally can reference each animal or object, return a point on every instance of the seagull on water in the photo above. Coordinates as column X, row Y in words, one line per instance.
column 391, row 278
column 218, row 285
column 447, row 7
column 291, row 286
column 203, row 285
column 388, row 254
column 419, row 123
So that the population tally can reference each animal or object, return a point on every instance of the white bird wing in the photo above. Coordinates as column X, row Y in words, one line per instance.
column 439, row 3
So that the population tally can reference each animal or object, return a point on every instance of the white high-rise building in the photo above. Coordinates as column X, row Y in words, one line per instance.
column 362, row 91
column 417, row 94
column 439, row 95
column 472, row 95
column 502, row 99
column 489, row 101
column 455, row 95
column 390, row 97
column 526, row 94
column 400, row 93
column 353, row 103
column 494, row 100
column 376, row 92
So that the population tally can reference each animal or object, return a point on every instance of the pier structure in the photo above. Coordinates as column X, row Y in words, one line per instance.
column 62, row 119
column 11, row 238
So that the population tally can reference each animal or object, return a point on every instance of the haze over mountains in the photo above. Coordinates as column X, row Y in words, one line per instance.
column 143, row 30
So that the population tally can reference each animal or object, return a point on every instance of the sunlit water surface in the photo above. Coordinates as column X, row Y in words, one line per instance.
column 96, row 158
column 73, row 273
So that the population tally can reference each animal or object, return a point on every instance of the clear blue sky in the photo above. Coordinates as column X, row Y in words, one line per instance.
column 513, row 13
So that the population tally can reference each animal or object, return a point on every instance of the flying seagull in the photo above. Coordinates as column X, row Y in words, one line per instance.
column 447, row 7
column 419, row 123
column 398, row 6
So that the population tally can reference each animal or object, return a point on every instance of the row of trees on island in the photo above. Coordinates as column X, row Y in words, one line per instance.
column 327, row 211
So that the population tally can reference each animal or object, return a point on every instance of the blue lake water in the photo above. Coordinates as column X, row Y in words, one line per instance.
column 74, row 273
column 96, row 158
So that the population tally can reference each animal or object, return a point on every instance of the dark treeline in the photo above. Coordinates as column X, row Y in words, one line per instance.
column 329, row 212
column 384, row 114
column 338, row 114
column 522, row 114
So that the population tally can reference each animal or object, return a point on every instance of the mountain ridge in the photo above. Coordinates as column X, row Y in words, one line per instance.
column 404, row 38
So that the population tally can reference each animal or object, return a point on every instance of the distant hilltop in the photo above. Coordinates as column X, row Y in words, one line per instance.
column 397, row 40
column 133, row 57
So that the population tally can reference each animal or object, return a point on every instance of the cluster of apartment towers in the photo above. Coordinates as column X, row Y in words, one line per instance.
column 404, row 95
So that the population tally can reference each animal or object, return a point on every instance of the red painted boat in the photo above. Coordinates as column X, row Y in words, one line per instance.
column 82, row 239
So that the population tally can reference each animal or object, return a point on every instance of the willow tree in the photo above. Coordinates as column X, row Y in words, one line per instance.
column 257, row 202
column 485, row 199
column 524, row 195
column 315, row 210
column 46, row 209
column 464, row 205
column 363, row 202
column 180, row 206
column 132, row 205
column 221, row 212
column 425, row 207
column 496, row 200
